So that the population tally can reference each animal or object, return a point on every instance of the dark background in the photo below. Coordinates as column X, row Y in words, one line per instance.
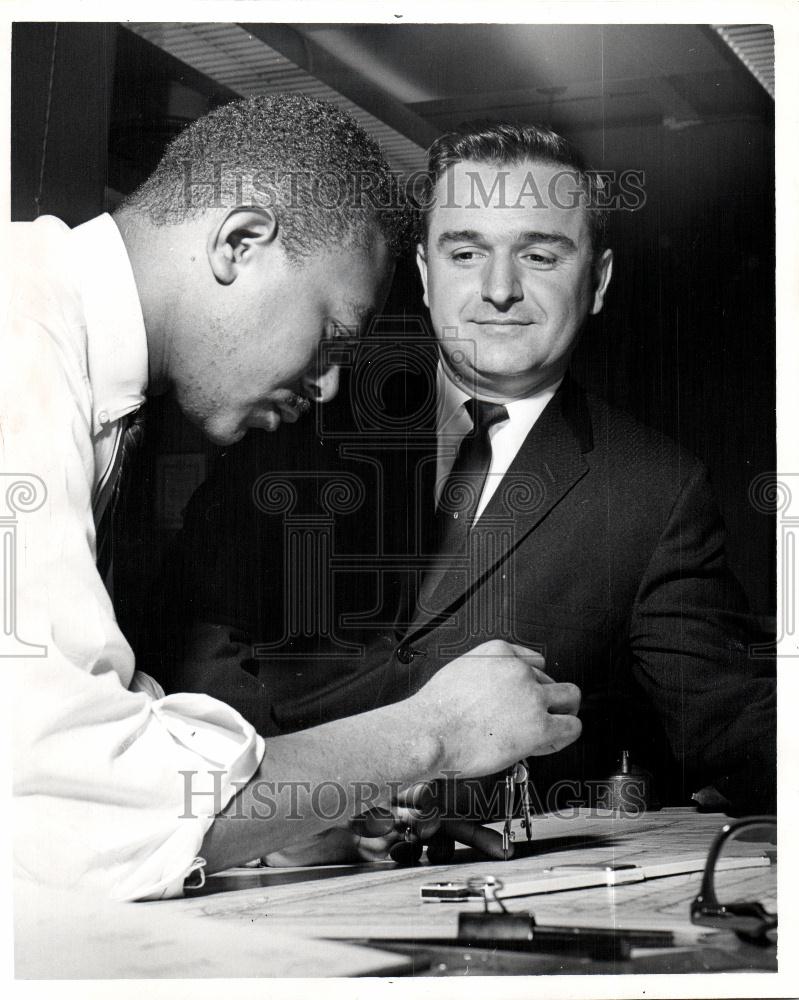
column 686, row 341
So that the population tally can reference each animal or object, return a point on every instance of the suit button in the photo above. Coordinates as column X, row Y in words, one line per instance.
column 405, row 654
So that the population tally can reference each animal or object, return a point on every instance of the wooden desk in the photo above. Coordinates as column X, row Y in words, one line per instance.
column 383, row 901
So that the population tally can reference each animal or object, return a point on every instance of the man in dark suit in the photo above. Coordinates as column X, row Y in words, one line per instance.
column 582, row 533
column 531, row 511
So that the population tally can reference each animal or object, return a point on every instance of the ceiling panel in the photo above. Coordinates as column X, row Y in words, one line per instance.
column 754, row 46
column 229, row 54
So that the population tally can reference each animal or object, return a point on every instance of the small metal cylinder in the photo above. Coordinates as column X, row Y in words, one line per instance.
column 629, row 789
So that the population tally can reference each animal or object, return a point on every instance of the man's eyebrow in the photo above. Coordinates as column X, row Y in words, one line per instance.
column 553, row 239
column 365, row 315
column 459, row 236
column 362, row 316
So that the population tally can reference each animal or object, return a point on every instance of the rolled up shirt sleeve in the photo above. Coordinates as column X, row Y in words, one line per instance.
column 114, row 789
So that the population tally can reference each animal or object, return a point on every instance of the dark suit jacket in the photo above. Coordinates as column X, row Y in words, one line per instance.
column 602, row 547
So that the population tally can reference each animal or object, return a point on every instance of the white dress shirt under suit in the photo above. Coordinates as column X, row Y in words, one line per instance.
column 507, row 436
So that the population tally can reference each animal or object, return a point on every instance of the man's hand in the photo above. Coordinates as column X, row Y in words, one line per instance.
column 426, row 810
column 341, row 845
column 494, row 706
column 367, row 838
column 370, row 837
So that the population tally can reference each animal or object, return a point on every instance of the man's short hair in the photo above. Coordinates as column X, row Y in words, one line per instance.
column 509, row 144
column 309, row 161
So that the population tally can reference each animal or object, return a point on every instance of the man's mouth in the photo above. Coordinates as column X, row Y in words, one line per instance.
column 511, row 323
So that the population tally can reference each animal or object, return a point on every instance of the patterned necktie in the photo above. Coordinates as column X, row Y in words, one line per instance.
column 460, row 496
column 130, row 439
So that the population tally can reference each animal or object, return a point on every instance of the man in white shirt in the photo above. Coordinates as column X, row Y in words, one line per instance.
column 226, row 297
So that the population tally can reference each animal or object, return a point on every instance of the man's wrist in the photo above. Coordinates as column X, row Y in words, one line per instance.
column 426, row 749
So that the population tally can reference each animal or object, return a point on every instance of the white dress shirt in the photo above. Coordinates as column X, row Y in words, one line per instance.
column 453, row 423
column 99, row 791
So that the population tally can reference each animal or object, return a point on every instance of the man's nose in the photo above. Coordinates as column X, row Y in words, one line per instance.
column 501, row 284
column 322, row 386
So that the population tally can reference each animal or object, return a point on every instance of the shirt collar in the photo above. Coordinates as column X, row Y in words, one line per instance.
column 450, row 399
column 117, row 342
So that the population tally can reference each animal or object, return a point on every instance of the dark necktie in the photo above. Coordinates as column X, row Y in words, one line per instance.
column 460, row 496
column 130, row 440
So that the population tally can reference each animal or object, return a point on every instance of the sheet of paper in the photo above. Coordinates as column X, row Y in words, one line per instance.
column 66, row 935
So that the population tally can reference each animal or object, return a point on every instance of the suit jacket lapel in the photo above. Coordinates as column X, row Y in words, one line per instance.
column 546, row 468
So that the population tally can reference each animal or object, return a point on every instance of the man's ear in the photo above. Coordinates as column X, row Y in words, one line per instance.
column 421, row 263
column 233, row 242
column 603, row 269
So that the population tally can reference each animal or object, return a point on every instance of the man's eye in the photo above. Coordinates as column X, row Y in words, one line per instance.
column 541, row 260
column 465, row 256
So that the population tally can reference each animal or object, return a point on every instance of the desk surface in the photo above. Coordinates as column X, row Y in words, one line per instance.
column 279, row 922
column 383, row 901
